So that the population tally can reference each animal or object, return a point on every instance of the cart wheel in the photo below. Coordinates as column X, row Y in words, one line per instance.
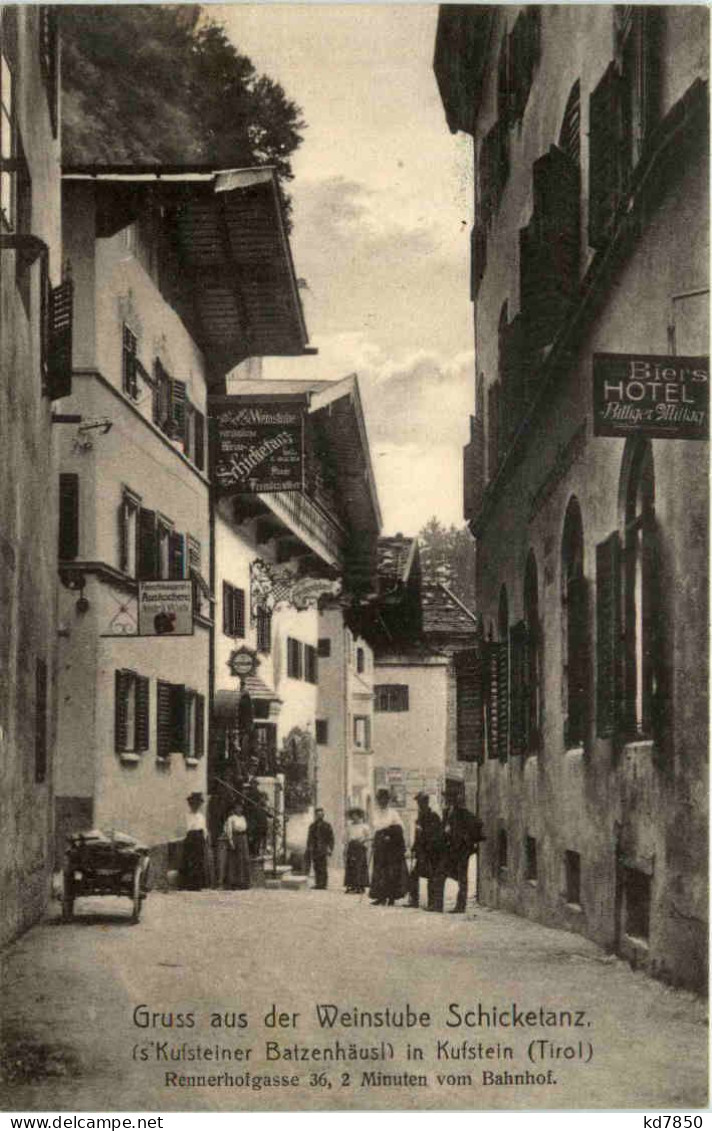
column 136, row 894
column 67, row 896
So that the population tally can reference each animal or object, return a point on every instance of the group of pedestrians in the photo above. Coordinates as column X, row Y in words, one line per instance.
column 243, row 834
column 441, row 848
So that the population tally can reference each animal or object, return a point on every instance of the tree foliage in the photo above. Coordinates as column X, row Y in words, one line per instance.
column 162, row 83
column 447, row 554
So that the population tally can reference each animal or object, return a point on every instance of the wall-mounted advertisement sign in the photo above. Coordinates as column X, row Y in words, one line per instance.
column 648, row 395
column 165, row 608
column 257, row 446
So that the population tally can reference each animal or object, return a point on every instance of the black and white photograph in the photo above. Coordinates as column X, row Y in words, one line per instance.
column 354, row 561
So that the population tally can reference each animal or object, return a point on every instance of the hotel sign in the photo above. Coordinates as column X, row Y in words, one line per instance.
column 648, row 395
column 257, row 446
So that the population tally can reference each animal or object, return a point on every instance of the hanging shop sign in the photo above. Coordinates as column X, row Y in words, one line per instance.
column 649, row 395
column 243, row 662
column 257, row 446
column 271, row 586
column 165, row 608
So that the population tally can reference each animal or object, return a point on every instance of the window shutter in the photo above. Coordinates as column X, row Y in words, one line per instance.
column 121, row 694
column 123, row 515
column 491, row 696
column 470, row 704
column 68, row 516
column 179, row 732
column 227, row 608
column 176, row 556
column 502, row 701
column 40, row 720
column 238, row 612
column 577, row 661
column 608, row 636
column 604, row 157
column 164, row 719
column 178, row 408
column 519, row 647
column 147, row 545
column 59, row 358
column 199, row 726
column 142, row 713
column 199, row 440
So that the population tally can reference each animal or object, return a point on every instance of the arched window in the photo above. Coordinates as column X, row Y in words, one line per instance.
column 575, row 634
column 639, row 586
column 534, row 644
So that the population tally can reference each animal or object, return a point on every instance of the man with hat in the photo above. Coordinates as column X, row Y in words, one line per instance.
column 320, row 845
column 429, row 853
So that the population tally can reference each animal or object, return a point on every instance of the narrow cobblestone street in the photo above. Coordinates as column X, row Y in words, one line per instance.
column 70, row 992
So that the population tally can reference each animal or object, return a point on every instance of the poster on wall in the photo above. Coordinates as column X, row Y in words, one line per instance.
column 165, row 608
column 257, row 446
column 649, row 395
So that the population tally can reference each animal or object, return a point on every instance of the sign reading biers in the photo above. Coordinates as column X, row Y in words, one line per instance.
column 667, row 397
column 257, row 446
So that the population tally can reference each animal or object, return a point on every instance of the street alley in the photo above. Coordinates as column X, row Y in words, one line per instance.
column 104, row 1015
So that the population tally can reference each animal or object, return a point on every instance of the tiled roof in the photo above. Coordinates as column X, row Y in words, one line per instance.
column 444, row 613
column 395, row 558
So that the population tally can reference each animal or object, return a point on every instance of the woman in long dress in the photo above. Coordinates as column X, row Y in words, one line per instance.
column 193, row 874
column 390, row 872
column 238, row 857
column 356, row 872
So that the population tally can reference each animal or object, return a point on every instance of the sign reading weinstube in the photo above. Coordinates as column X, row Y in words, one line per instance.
column 667, row 397
column 257, row 446
column 165, row 608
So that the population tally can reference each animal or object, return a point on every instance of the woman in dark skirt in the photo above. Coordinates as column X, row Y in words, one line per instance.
column 238, row 857
column 356, row 873
column 390, row 872
column 194, row 861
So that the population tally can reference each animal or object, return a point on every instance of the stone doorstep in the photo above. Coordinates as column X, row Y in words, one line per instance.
column 295, row 883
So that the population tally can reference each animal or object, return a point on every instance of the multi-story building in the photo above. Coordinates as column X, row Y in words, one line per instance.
column 344, row 724
column 418, row 631
column 586, row 477
column 179, row 275
column 35, row 370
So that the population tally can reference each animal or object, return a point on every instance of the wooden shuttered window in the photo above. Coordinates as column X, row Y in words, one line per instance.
column 549, row 247
column 147, row 545
column 164, row 719
column 577, row 661
column 131, row 712
column 199, row 441
column 129, row 363
column 497, row 699
column 521, row 688
column 176, row 556
column 311, row 664
column 68, row 516
column 41, row 692
column 178, row 398
column 264, row 631
column 478, row 257
column 295, row 658
column 470, row 722
column 233, row 610
column 604, row 158
column 199, row 745
column 608, row 636
column 122, row 682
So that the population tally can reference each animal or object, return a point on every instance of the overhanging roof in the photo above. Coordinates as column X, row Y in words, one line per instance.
column 232, row 276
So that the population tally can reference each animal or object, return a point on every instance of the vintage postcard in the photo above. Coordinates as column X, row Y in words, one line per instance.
column 354, row 398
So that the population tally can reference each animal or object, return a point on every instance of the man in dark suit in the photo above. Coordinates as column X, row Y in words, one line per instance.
column 428, row 850
column 320, row 845
column 463, row 832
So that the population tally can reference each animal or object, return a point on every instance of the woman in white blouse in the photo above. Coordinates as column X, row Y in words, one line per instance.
column 238, row 857
column 358, row 833
column 194, row 861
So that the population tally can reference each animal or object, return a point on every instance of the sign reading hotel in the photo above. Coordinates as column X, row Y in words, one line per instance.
column 165, row 608
column 257, row 446
column 667, row 397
